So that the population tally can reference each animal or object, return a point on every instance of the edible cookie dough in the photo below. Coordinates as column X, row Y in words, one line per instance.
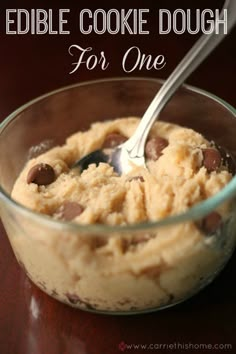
column 133, row 270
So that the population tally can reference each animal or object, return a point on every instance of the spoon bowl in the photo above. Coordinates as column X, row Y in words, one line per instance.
column 118, row 158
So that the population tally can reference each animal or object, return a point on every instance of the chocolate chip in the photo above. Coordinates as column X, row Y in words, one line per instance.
column 154, row 147
column 39, row 149
column 41, row 174
column 68, row 211
column 136, row 178
column 211, row 222
column 211, row 159
column 114, row 139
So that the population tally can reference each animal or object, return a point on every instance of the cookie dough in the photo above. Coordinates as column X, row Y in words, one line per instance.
column 132, row 270
column 177, row 177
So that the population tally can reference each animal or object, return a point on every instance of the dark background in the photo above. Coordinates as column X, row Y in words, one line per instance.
column 31, row 65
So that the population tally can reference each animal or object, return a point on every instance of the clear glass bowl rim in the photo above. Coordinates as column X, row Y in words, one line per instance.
column 198, row 211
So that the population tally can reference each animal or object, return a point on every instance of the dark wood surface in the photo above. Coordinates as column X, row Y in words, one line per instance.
column 30, row 321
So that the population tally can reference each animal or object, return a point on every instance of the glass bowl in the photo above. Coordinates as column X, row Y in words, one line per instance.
column 100, row 268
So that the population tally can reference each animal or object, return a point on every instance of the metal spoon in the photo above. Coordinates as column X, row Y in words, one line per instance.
column 130, row 153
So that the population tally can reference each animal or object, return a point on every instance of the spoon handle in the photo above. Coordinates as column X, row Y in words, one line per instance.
column 204, row 46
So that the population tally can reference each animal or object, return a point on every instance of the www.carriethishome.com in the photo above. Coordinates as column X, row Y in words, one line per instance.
column 175, row 346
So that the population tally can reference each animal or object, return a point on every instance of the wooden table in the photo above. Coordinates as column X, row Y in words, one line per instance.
column 30, row 321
